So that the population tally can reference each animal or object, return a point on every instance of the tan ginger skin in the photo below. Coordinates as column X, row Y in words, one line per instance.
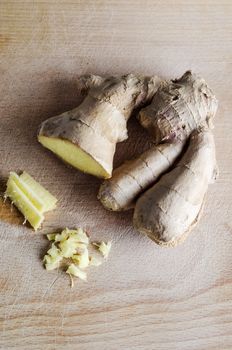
column 171, row 208
column 86, row 136
column 177, row 108
column 135, row 176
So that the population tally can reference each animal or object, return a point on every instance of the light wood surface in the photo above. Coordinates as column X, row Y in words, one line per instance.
column 144, row 297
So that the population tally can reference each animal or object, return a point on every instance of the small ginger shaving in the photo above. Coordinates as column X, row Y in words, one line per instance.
column 104, row 248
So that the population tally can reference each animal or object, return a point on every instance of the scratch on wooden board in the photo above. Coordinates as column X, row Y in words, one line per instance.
column 63, row 315
column 47, row 290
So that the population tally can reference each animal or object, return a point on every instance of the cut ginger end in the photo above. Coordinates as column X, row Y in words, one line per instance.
column 31, row 199
column 74, row 155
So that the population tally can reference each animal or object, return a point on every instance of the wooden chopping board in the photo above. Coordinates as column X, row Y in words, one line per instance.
column 144, row 297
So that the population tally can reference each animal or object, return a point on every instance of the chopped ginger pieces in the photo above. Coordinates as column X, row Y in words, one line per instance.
column 71, row 247
column 31, row 199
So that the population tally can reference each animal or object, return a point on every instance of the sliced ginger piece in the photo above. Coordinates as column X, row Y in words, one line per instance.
column 68, row 248
column 78, row 236
column 28, row 191
column 49, row 201
column 74, row 155
column 24, row 205
column 30, row 198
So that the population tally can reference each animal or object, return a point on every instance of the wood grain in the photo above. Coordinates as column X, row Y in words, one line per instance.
column 144, row 297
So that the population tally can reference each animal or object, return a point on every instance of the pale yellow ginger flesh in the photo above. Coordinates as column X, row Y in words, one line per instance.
column 82, row 259
column 104, row 248
column 31, row 199
column 86, row 136
column 29, row 193
column 71, row 249
column 75, row 271
column 74, row 155
column 77, row 236
column 48, row 200
column 24, row 205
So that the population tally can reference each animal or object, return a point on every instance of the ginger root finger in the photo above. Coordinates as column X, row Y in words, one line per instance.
column 135, row 176
column 178, row 108
column 169, row 210
column 86, row 136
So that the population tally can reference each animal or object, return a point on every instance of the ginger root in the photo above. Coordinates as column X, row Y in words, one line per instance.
column 170, row 209
column 86, row 136
column 166, row 184
column 177, row 108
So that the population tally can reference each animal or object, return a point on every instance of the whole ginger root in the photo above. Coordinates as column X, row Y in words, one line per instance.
column 166, row 184
column 178, row 107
